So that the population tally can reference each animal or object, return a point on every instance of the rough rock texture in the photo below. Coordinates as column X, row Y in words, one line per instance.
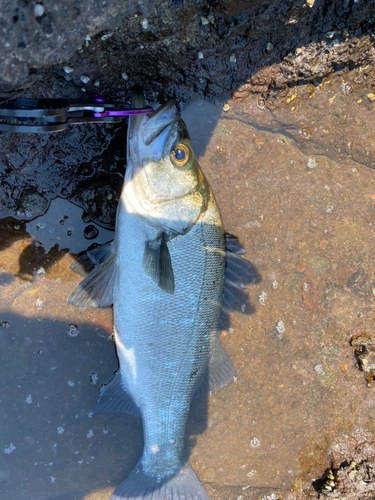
column 352, row 472
column 212, row 47
column 42, row 33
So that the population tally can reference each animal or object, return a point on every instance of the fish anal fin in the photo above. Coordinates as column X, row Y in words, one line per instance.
column 97, row 289
column 115, row 399
column 220, row 371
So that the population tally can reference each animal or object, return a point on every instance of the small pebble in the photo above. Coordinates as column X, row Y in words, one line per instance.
column 68, row 69
column 226, row 107
column 85, row 79
column 200, row 55
column 233, row 58
column 318, row 368
column 269, row 47
column 97, row 83
column 38, row 10
column 5, row 324
column 124, row 76
column 144, row 24
column 60, row 430
column 261, row 103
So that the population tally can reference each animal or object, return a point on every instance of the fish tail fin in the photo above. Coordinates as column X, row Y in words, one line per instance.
column 182, row 486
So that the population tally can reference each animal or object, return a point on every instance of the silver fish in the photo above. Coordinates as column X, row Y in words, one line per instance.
column 164, row 274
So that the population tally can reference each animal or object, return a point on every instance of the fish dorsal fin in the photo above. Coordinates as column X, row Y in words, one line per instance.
column 157, row 264
column 97, row 289
column 238, row 273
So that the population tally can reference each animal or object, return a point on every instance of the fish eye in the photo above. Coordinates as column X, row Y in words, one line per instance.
column 180, row 155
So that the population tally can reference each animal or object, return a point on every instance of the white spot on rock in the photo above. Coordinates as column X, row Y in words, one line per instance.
column 60, row 430
column 29, row 399
column 9, row 450
column 254, row 442
column 262, row 298
column 280, row 327
column 90, row 434
column 311, row 162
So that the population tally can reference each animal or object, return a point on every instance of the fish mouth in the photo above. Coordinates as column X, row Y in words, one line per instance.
column 149, row 127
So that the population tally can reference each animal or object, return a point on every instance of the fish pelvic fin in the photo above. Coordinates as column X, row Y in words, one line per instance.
column 114, row 398
column 97, row 289
column 157, row 264
column 184, row 485
column 86, row 261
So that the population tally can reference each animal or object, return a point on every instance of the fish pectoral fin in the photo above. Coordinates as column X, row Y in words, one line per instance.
column 86, row 261
column 157, row 264
column 114, row 398
column 220, row 371
column 97, row 289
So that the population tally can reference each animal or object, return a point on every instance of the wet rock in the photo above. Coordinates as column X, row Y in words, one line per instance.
column 95, row 202
column 32, row 203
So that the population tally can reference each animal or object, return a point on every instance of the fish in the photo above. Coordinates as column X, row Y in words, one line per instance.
column 171, row 275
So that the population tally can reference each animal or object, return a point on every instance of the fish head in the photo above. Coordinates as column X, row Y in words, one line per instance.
column 164, row 184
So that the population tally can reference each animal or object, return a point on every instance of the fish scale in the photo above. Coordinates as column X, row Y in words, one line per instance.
column 168, row 329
